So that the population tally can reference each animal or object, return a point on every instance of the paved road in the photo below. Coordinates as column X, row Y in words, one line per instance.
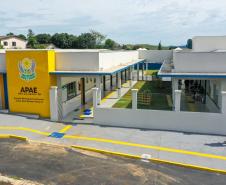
column 58, row 165
column 201, row 150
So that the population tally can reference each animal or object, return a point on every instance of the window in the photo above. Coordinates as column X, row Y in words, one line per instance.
column 5, row 43
column 13, row 43
column 71, row 90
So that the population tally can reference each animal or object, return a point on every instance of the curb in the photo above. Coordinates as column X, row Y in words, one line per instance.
column 13, row 137
column 155, row 160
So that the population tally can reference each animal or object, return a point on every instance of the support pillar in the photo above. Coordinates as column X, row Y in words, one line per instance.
column 146, row 69
column 111, row 82
column 59, row 98
column 119, row 85
column 134, row 98
column 95, row 97
column 98, row 85
column 143, row 71
column 138, row 72
column 53, row 103
column 104, row 83
column 223, row 104
column 174, row 87
column 177, row 100
column 131, row 77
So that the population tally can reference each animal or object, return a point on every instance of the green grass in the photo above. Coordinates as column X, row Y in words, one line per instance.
column 159, row 91
column 150, row 72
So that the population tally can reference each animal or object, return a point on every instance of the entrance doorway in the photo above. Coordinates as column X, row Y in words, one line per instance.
column 83, row 91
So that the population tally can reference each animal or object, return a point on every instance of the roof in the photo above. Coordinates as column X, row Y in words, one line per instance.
column 167, row 70
column 11, row 36
column 109, row 71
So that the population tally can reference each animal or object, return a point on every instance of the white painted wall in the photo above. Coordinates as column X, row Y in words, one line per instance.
column 115, row 58
column 75, row 61
column 208, row 43
column 196, row 122
column 201, row 62
column 156, row 56
column 20, row 44
column 2, row 61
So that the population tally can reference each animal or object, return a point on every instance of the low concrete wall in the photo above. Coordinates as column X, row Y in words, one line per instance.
column 156, row 56
column 195, row 122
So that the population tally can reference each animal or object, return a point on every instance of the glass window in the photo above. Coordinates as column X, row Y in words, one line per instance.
column 13, row 43
column 71, row 90
column 5, row 43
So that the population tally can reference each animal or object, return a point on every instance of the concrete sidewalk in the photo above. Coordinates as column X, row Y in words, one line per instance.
column 200, row 150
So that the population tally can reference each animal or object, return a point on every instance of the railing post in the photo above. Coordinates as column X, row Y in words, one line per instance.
column 134, row 98
column 177, row 100
column 53, row 103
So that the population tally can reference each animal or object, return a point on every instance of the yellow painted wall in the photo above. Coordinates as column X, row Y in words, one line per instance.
column 30, row 94
column 2, row 91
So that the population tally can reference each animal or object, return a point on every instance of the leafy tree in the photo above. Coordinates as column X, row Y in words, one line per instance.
column 160, row 46
column 98, row 37
column 86, row 41
column 31, row 39
column 22, row 36
column 10, row 34
column 43, row 38
column 64, row 40
column 189, row 43
column 110, row 44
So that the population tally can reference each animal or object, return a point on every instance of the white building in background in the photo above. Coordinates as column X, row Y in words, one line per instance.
column 12, row 42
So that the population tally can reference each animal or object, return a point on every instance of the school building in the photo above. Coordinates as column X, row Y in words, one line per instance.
column 28, row 76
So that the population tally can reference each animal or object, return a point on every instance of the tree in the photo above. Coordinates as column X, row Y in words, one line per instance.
column 10, row 34
column 43, row 38
column 86, row 41
column 189, row 43
column 110, row 44
column 21, row 36
column 64, row 40
column 98, row 37
column 1, row 46
column 160, row 46
column 31, row 39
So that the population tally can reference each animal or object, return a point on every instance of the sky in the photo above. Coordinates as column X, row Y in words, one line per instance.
column 126, row 21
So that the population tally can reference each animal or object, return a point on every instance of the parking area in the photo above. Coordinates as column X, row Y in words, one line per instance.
column 207, row 151
column 44, row 164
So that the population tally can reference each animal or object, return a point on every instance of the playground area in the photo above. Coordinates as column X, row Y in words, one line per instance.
column 156, row 95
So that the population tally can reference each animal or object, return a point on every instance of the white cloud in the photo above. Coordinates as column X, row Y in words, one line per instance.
column 136, row 21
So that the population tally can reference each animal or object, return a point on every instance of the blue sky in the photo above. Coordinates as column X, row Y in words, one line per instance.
column 126, row 21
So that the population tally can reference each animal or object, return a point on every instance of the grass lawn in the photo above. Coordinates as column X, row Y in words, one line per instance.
column 160, row 96
column 150, row 72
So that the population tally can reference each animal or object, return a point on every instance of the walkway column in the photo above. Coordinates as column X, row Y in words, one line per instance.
column 131, row 77
column 174, row 87
column 223, row 100
column 98, row 85
column 119, row 84
column 53, row 103
column 104, row 83
column 177, row 100
column 59, row 97
column 111, row 82
column 146, row 69
column 134, row 98
column 138, row 72
column 95, row 97
column 143, row 71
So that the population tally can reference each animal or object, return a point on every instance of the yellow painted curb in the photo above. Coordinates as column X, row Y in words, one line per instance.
column 152, row 160
column 4, row 136
column 7, row 136
column 106, row 152
column 18, row 137
column 65, row 129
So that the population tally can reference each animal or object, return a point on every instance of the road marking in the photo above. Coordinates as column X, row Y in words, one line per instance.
column 65, row 129
column 121, row 143
column 147, row 146
column 25, row 129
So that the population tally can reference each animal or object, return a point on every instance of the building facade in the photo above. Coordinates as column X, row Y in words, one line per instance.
column 12, row 42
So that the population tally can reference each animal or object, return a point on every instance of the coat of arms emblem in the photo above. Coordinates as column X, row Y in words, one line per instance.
column 27, row 69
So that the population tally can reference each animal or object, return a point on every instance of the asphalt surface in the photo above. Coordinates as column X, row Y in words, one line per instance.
column 54, row 165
